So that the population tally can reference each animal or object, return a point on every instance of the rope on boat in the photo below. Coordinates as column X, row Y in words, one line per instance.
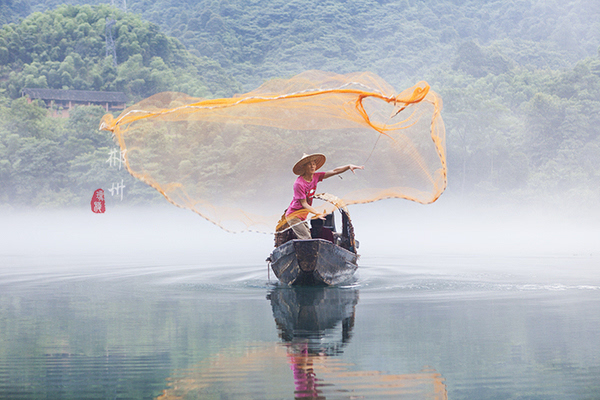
column 330, row 198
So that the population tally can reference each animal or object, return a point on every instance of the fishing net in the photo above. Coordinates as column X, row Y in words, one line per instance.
column 230, row 160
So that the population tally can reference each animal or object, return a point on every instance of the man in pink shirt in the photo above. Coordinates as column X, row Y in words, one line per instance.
column 305, row 188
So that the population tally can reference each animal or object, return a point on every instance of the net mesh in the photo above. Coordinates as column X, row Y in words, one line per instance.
column 230, row 160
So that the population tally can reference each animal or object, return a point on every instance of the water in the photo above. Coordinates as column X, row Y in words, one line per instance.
column 164, row 306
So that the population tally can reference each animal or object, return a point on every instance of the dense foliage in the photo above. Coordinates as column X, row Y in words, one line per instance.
column 50, row 161
column 46, row 161
column 12, row 10
column 529, row 133
column 67, row 49
column 520, row 79
column 399, row 40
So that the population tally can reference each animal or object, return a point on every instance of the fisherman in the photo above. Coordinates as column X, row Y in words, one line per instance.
column 305, row 188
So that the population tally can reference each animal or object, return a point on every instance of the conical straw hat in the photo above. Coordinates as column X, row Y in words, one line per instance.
column 306, row 158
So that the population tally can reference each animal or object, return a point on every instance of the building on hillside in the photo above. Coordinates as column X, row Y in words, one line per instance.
column 59, row 102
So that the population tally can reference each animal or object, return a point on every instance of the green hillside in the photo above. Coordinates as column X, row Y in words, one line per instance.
column 520, row 79
column 52, row 161
column 12, row 10
column 66, row 48
column 398, row 40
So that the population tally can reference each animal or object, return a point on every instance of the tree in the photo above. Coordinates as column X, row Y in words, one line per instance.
column 65, row 49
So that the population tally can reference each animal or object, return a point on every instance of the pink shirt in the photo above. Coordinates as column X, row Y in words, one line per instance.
column 304, row 190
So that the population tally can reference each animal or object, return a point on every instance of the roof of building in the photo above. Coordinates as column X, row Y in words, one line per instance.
column 75, row 95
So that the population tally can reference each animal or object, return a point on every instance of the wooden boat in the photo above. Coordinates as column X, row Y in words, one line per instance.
column 317, row 261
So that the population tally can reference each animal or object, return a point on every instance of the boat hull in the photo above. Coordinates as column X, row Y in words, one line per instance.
column 313, row 262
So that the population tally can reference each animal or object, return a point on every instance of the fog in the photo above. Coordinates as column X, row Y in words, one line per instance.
column 158, row 235
column 452, row 240
column 445, row 236
column 449, row 227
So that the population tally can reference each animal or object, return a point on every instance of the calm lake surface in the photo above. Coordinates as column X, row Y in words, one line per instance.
column 162, row 305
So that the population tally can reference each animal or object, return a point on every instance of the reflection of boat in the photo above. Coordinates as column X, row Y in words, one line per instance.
column 322, row 318
column 315, row 324
column 328, row 258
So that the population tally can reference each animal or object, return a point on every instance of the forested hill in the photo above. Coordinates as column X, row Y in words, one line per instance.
column 400, row 40
column 66, row 49
column 12, row 10
column 520, row 79
column 53, row 161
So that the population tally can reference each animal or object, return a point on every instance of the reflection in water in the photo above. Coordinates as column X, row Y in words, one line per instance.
column 309, row 320
column 319, row 318
column 315, row 324
column 83, row 319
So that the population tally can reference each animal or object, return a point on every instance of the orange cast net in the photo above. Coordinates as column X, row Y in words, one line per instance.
column 230, row 160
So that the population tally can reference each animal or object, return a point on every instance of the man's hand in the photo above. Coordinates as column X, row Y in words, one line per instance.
column 353, row 167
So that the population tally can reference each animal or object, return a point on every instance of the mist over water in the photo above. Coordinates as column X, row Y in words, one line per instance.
column 526, row 244
column 142, row 302
column 389, row 227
